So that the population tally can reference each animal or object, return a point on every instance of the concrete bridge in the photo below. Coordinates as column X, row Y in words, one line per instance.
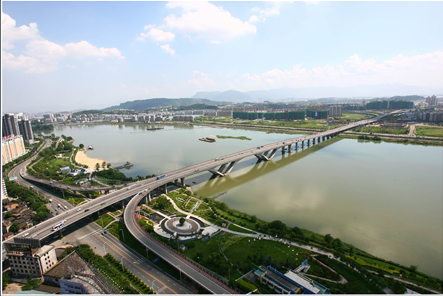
column 136, row 191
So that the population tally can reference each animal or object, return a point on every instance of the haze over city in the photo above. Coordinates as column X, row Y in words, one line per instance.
column 61, row 56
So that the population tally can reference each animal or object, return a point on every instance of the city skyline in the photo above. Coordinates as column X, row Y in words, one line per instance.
column 59, row 56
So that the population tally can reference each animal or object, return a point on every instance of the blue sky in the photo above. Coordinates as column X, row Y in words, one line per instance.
column 78, row 55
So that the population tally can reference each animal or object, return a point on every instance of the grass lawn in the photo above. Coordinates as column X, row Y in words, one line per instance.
column 311, row 124
column 428, row 131
column 248, row 250
column 106, row 220
column 191, row 204
column 238, row 229
column 352, row 116
column 357, row 284
column 383, row 130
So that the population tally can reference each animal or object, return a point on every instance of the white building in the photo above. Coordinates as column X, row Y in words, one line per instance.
column 12, row 148
column 335, row 110
column 26, row 260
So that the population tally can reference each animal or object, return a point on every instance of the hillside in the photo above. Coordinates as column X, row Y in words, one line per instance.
column 152, row 103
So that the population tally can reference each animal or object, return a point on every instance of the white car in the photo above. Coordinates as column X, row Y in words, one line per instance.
column 79, row 210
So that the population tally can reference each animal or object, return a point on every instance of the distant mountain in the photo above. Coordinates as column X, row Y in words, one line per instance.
column 296, row 94
column 230, row 96
column 152, row 103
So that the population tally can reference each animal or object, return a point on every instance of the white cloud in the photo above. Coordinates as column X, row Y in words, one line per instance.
column 28, row 64
column 11, row 33
column 262, row 13
column 157, row 35
column 42, row 55
column 205, row 20
column 421, row 70
column 201, row 80
column 166, row 48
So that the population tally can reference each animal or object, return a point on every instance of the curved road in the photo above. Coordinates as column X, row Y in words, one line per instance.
column 44, row 229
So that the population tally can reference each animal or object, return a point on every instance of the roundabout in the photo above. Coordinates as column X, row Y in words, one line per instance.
column 173, row 225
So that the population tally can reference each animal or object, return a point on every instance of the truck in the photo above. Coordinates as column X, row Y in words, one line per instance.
column 50, row 200
column 160, row 177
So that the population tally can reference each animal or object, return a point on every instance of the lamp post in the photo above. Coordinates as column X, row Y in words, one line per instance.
column 123, row 234
column 180, row 272
column 152, row 285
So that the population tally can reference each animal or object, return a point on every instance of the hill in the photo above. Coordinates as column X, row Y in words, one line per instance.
column 153, row 103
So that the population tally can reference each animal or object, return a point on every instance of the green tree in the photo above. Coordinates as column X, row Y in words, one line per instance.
column 182, row 220
column 8, row 215
column 5, row 280
column 81, row 146
column 108, row 165
column 104, row 164
column 14, row 228
column 328, row 238
column 97, row 166
column 253, row 218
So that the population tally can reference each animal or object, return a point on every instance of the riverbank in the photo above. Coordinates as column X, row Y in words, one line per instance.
column 83, row 158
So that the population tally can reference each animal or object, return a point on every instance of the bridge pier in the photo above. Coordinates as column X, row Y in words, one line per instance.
column 148, row 197
column 289, row 147
column 182, row 181
column 308, row 143
column 318, row 140
column 221, row 171
column 283, row 150
column 123, row 204
column 313, row 141
column 302, row 143
column 165, row 188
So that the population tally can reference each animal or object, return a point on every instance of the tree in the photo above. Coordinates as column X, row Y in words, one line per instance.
column 104, row 164
column 14, row 227
column 277, row 227
column 81, row 146
column 182, row 220
column 108, row 165
column 5, row 280
column 328, row 238
column 97, row 166
column 253, row 218
column 8, row 215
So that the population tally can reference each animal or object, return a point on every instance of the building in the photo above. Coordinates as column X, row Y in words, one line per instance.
column 29, row 258
column 335, row 110
column 10, row 125
column 286, row 115
column 26, row 131
column 4, row 191
column 289, row 283
column 432, row 101
column 317, row 114
column 12, row 148
column 75, row 276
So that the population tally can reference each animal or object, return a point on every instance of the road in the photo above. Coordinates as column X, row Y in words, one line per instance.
column 90, row 234
column 45, row 229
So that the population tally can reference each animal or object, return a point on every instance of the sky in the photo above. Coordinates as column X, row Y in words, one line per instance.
column 64, row 56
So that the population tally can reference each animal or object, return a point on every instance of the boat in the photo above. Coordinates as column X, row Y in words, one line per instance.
column 90, row 147
column 154, row 128
column 209, row 140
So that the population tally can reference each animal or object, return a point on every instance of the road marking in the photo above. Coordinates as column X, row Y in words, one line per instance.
column 138, row 266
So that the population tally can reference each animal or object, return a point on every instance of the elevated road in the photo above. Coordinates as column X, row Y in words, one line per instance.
column 144, row 187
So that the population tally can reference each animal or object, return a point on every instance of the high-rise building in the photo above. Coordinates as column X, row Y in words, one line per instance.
column 12, row 148
column 26, row 131
column 10, row 125
column 432, row 101
column 335, row 111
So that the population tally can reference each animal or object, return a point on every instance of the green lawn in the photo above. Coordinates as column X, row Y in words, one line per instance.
column 383, row 130
column 352, row 116
column 310, row 124
column 231, row 137
column 238, row 229
column 357, row 284
column 428, row 131
column 106, row 220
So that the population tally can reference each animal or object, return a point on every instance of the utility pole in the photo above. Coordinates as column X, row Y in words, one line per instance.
column 123, row 233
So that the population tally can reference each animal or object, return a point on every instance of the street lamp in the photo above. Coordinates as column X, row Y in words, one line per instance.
column 180, row 271
column 152, row 285
column 123, row 234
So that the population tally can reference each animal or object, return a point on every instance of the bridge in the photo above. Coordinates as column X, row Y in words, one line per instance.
column 136, row 191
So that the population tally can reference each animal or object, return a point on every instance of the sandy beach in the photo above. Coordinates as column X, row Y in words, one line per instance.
column 83, row 158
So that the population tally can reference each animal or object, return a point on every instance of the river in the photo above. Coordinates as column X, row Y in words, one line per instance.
column 385, row 198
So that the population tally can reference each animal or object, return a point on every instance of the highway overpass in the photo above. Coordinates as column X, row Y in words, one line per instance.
column 218, row 166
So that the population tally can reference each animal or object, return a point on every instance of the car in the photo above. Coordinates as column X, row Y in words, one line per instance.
column 102, row 203
column 79, row 210
column 86, row 210
column 50, row 182
column 26, row 234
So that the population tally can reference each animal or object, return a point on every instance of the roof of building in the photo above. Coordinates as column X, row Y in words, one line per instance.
column 72, row 262
column 45, row 249
column 49, row 289
column 31, row 292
